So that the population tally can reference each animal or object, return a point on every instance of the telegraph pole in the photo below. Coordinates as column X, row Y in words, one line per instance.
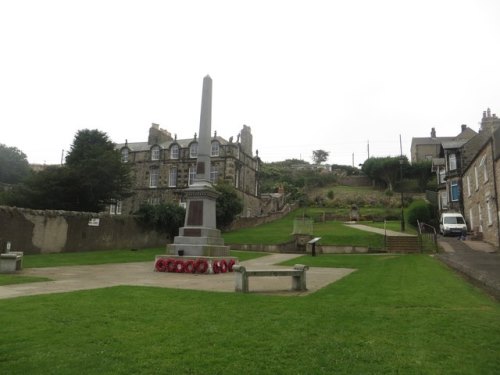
column 401, row 184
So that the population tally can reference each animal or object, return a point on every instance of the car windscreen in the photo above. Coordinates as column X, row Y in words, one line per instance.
column 454, row 220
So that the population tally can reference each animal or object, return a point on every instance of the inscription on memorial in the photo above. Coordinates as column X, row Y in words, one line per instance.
column 195, row 213
column 192, row 232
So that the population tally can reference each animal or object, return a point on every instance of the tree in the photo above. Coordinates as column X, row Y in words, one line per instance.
column 14, row 165
column 422, row 172
column 103, row 178
column 384, row 169
column 320, row 156
column 92, row 177
column 228, row 205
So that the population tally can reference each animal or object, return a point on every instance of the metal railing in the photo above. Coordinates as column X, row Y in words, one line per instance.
column 427, row 236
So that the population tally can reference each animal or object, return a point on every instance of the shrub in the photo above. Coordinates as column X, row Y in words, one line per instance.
column 418, row 210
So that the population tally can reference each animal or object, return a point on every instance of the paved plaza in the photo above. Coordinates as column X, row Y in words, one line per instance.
column 73, row 278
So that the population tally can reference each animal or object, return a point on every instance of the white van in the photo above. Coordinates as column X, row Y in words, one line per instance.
column 452, row 223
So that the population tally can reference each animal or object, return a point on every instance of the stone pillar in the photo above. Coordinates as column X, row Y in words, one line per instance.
column 200, row 236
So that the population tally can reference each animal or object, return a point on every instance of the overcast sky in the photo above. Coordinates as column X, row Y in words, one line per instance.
column 304, row 75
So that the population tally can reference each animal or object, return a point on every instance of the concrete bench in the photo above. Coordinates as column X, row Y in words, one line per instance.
column 298, row 274
column 11, row 262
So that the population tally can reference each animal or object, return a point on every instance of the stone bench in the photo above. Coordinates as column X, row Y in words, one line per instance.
column 298, row 274
column 11, row 262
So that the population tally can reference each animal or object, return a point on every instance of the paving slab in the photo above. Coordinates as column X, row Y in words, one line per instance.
column 73, row 278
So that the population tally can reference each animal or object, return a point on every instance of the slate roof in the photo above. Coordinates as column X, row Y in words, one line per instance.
column 474, row 145
column 183, row 143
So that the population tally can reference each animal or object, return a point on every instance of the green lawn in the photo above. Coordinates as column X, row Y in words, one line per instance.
column 107, row 256
column 280, row 231
column 394, row 315
column 8, row 279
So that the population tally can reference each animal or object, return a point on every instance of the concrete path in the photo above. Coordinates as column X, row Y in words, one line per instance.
column 367, row 228
column 69, row 279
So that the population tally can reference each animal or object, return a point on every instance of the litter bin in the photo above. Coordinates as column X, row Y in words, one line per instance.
column 180, row 253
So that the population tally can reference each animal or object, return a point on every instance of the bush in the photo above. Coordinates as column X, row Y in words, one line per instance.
column 418, row 210
column 164, row 218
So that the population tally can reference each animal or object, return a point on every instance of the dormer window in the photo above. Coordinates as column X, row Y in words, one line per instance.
column 174, row 151
column 155, row 153
column 193, row 150
column 124, row 155
column 215, row 148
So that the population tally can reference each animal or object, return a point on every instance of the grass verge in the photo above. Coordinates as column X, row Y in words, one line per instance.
column 107, row 256
column 396, row 314
column 18, row 279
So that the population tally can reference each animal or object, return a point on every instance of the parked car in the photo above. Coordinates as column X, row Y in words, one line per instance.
column 452, row 223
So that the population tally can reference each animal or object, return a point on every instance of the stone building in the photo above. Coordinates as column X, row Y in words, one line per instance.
column 481, row 179
column 164, row 166
column 428, row 148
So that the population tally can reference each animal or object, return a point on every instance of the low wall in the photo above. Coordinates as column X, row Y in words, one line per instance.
column 46, row 231
column 290, row 247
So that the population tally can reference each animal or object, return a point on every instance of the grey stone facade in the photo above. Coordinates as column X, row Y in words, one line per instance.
column 164, row 166
column 481, row 179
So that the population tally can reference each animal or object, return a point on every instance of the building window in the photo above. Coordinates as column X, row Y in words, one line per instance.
column 154, row 201
column 154, row 175
column 442, row 174
column 172, row 177
column 471, row 218
column 468, row 186
column 488, row 211
column 155, row 153
column 476, row 178
column 125, row 155
column 174, row 152
column 193, row 150
column 116, row 208
column 452, row 162
column 214, row 174
column 485, row 170
column 215, row 149
column 192, row 175
column 480, row 216
column 455, row 194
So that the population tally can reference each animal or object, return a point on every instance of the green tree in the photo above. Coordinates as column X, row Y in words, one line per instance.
column 421, row 172
column 95, row 163
column 386, row 170
column 228, row 205
column 320, row 156
column 14, row 165
column 92, row 177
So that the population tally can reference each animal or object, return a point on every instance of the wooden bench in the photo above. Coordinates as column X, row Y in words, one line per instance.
column 298, row 274
column 11, row 262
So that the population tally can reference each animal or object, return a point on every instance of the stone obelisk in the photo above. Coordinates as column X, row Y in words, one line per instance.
column 199, row 236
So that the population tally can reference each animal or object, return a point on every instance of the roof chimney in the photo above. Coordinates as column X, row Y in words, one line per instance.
column 464, row 127
column 433, row 133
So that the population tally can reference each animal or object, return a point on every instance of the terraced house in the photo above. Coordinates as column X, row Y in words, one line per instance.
column 164, row 166
column 481, row 180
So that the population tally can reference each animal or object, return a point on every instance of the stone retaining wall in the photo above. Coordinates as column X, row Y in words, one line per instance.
column 48, row 231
